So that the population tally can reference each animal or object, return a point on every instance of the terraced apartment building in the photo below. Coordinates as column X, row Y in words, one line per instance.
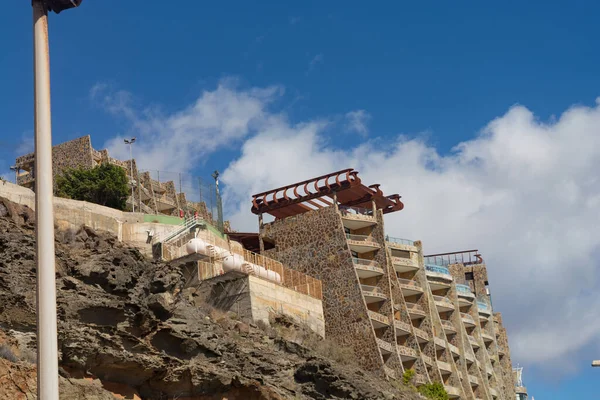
column 395, row 307
column 149, row 196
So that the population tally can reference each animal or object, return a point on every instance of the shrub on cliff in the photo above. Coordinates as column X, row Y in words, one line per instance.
column 434, row 391
column 105, row 184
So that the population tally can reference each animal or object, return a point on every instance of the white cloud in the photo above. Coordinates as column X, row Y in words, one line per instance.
column 356, row 121
column 523, row 192
column 526, row 193
column 178, row 141
column 316, row 60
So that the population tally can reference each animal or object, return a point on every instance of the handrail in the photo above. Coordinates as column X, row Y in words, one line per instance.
column 483, row 306
column 185, row 224
column 438, row 269
column 465, row 289
column 414, row 306
column 391, row 239
column 442, row 299
column 349, row 210
column 359, row 238
column 372, row 289
column 362, row 261
column 409, row 282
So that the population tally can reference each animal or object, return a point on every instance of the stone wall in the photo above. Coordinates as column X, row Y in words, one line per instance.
column 315, row 243
column 255, row 299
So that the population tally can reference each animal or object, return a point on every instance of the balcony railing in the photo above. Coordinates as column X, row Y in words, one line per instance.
column 385, row 345
column 356, row 211
column 438, row 270
column 409, row 283
column 439, row 342
column 483, row 307
column 401, row 326
column 474, row 380
column 444, row 366
column 375, row 316
column 453, row 348
column 444, row 300
column 464, row 290
column 372, row 290
column 427, row 359
column 414, row 307
column 473, row 341
column 467, row 318
column 448, row 325
column 394, row 240
column 361, row 238
column 421, row 334
column 407, row 351
column 365, row 263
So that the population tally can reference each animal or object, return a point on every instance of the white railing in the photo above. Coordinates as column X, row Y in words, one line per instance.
column 185, row 225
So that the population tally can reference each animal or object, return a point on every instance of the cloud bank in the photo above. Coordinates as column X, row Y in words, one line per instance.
column 525, row 192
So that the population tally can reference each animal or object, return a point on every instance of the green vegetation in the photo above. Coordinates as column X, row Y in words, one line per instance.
column 407, row 376
column 106, row 185
column 433, row 391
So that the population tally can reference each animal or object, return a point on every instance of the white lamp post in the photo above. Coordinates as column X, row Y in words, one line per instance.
column 47, row 341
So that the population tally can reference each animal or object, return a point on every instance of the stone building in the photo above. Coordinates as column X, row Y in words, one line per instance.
column 149, row 196
column 396, row 308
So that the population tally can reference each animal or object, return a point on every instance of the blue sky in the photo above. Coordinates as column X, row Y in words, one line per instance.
column 437, row 72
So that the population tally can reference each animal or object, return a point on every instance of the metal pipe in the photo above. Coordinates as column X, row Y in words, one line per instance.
column 47, row 345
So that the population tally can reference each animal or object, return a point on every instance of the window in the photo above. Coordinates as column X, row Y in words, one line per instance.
column 469, row 276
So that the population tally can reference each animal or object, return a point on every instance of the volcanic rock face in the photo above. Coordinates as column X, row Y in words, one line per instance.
column 129, row 329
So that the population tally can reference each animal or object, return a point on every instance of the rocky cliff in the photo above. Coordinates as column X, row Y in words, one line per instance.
column 128, row 328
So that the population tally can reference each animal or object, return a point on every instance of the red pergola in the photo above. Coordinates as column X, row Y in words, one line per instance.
column 345, row 186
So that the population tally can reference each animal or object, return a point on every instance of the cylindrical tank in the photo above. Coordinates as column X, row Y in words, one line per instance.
column 196, row 245
column 232, row 261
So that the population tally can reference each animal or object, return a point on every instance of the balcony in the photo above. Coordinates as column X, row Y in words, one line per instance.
column 484, row 308
column 441, row 275
column 378, row 320
column 465, row 295
column 473, row 380
column 372, row 294
column 409, row 287
column 367, row 268
column 448, row 327
column 453, row 392
column 420, row 379
column 489, row 370
column 385, row 347
column 453, row 349
column 439, row 343
column 407, row 353
column 401, row 244
column 362, row 243
column 427, row 359
column 469, row 357
column 157, row 187
column 357, row 217
column 422, row 336
column 493, row 393
column 404, row 264
column 473, row 342
column 402, row 328
column 501, row 350
column 415, row 311
column 467, row 319
column 487, row 338
column 444, row 367
column 443, row 303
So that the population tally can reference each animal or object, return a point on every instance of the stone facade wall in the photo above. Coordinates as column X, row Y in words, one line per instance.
column 315, row 243
column 255, row 299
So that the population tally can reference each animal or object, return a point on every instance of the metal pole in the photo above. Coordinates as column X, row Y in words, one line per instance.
column 139, row 186
column 47, row 346
column 131, row 164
